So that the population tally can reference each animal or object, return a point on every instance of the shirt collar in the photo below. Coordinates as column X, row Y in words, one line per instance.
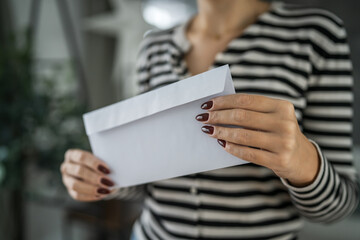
column 179, row 36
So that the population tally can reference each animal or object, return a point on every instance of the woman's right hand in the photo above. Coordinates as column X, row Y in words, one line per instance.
column 84, row 176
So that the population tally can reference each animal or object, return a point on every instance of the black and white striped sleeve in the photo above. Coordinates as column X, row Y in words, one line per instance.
column 327, row 123
column 143, row 64
column 133, row 193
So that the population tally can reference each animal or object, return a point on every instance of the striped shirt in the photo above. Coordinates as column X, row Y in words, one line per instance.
column 293, row 53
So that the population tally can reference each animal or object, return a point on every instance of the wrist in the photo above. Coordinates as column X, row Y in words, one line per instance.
column 309, row 169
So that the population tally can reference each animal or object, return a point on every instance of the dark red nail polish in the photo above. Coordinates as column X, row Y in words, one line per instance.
column 107, row 182
column 103, row 169
column 208, row 129
column 103, row 191
column 207, row 105
column 202, row 117
column 222, row 143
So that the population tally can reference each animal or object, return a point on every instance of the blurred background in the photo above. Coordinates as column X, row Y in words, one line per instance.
column 61, row 58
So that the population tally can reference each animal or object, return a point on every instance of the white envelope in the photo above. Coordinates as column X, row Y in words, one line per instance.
column 155, row 136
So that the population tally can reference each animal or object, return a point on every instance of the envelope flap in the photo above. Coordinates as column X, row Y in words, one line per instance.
column 149, row 103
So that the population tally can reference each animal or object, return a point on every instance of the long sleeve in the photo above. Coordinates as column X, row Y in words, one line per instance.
column 327, row 123
column 128, row 193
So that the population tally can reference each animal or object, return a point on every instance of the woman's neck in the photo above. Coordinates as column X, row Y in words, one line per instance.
column 217, row 18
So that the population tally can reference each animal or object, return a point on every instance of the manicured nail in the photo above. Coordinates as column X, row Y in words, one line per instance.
column 208, row 129
column 107, row 182
column 207, row 105
column 103, row 191
column 222, row 142
column 202, row 117
column 103, row 169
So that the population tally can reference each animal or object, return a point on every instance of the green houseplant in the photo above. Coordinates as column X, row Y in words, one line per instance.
column 39, row 119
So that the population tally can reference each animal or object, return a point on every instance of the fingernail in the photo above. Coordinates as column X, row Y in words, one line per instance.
column 103, row 169
column 208, row 129
column 107, row 182
column 207, row 105
column 222, row 143
column 103, row 191
column 202, row 117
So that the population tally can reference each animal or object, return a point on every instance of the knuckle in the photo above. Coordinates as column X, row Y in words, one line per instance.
column 248, row 155
column 68, row 154
column 284, row 161
column 245, row 99
column 235, row 135
column 62, row 168
column 288, row 108
column 72, row 185
column 230, row 134
column 63, row 178
column 240, row 115
column 78, row 170
column 78, row 155
column 289, row 144
column 81, row 156
column 289, row 127
column 245, row 135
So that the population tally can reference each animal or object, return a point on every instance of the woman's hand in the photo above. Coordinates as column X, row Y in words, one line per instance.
column 268, row 124
column 84, row 176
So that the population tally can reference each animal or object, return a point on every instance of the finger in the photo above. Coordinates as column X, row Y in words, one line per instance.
column 240, row 117
column 87, row 159
column 83, row 187
column 83, row 197
column 256, row 156
column 87, row 175
column 252, row 102
column 244, row 137
column 62, row 167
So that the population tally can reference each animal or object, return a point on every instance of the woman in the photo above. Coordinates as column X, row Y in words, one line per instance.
column 292, row 74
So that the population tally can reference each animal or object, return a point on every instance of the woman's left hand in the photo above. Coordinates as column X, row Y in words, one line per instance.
column 268, row 124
